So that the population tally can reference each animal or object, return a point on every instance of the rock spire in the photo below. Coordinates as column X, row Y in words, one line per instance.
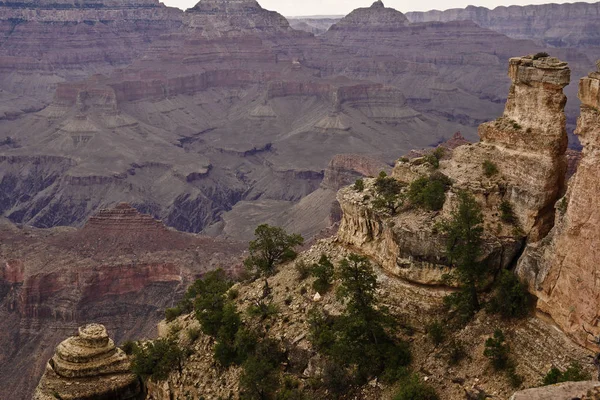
column 88, row 366
column 562, row 270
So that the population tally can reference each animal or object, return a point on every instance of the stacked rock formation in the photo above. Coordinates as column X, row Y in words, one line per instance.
column 88, row 367
column 378, row 16
column 527, row 145
column 562, row 270
column 529, row 141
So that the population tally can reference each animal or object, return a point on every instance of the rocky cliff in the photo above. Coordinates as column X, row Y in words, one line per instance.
column 561, row 269
column 526, row 147
column 89, row 366
column 122, row 270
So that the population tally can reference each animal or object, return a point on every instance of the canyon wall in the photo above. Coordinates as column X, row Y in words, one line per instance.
column 561, row 270
column 559, row 25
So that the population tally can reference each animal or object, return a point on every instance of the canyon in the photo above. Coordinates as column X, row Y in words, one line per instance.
column 230, row 108
column 124, row 121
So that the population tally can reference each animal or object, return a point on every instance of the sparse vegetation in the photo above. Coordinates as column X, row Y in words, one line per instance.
column 574, row 373
column 429, row 193
column 413, row 388
column 388, row 194
column 463, row 248
column 359, row 185
column 455, row 352
column 507, row 213
column 489, row 168
column 193, row 334
column 511, row 298
column 436, row 332
column 498, row 352
column 323, row 271
column 271, row 247
column 358, row 340
column 435, row 156
column 562, row 206
column 303, row 270
column 156, row 359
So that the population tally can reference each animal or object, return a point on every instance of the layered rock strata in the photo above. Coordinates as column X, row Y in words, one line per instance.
column 526, row 145
column 562, row 269
column 121, row 270
column 559, row 25
column 89, row 366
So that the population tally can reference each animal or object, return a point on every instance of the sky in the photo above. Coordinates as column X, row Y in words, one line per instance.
column 341, row 7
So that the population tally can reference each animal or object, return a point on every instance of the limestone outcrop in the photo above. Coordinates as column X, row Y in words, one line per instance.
column 562, row 269
column 88, row 366
column 587, row 390
column 526, row 146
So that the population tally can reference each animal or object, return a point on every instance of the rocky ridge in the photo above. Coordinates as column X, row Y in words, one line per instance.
column 559, row 25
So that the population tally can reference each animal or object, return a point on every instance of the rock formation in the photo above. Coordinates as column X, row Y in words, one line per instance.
column 527, row 145
column 588, row 390
column 89, row 366
column 122, row 270
column 376, row 17
column 561, row 269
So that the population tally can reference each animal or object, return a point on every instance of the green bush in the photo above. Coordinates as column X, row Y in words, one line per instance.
column 455, row 352
column 497, row 351
column 489, row 168
column 290, row 390
column 128, row 347
column 507, row 214
column 388, row 194
column 511, row 298
column 263, row 310
column 574, row 373
column 412, row 388
column 336, row 378
column 210, row 301
column 323, row 271
column 541, row 54
column 193, row 334
column 303, row 270
column 156, row 359
column 436, row 332
column 429, row 193
column 172, row 313
column 260, row 372
column 359, row 185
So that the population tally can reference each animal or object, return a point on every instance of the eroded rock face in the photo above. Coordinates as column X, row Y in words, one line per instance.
column 528, row 152
column 375, row 17
column 562, row 269
column 89, row 366
column 529, row 141
column 565, row 391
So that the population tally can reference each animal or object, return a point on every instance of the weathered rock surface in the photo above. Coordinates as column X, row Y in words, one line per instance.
column 527, row 148
column 564, row 391
column 561, row 269
column 89, row 366
column 122, row 270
